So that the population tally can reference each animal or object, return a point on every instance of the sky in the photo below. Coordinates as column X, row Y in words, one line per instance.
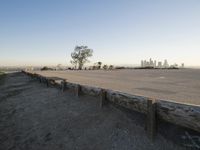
column 120, row 32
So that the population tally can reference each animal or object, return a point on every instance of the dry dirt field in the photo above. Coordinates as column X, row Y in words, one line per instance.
column 34, row 117
column 177, row 85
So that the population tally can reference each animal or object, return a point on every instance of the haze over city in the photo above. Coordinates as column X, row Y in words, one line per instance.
column 125, row 32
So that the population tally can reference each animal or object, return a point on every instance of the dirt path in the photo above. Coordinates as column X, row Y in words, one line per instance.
column 33, row 117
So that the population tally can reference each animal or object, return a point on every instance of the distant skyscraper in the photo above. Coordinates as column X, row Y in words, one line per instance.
column 154, row 64
column 142, row 63
column 165, row 65
column 159, row 64
column 151, row 62
column 145, row 63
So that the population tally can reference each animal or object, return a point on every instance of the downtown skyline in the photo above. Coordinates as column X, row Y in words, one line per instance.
column 160, row 64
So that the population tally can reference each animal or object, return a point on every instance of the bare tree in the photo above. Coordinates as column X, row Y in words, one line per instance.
column 80, row 56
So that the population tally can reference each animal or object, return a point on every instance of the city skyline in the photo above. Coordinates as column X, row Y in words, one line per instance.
column 160, row 64
column 40, row 33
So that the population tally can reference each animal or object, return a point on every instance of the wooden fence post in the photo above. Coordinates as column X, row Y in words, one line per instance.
column 34, row 76
column 151, row 119
column 43, row 80
column 40, row 79
column 47, row 82
column 78, row 90
column 102, row 98
column 63, row 85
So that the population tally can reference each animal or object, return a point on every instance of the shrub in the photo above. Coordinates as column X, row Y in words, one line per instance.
column 46, row 68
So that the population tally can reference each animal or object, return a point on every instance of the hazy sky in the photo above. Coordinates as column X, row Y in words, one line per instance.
column 45, row 32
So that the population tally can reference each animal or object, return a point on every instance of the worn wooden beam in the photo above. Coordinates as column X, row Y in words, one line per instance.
column 92, row 91
column 186, row 115
column 151, row 119
column 132, row 102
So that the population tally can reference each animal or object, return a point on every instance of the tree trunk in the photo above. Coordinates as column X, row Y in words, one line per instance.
column 80, row 66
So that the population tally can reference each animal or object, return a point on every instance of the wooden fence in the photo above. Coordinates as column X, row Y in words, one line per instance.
column 184, row 115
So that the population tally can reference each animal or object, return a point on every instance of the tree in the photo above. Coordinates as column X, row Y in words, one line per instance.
column 94, row 67
column 111, row 67
column 99, row 64
column 46, row 68
column 105, row 67
column 80, row 56
column 59, row 67
column 74, row 62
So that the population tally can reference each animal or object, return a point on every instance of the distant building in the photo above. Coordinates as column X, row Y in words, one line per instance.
column 142, row 63
column 154, row 64
column 151, row 63
column 165, row 65
column 159, row 64
column 145, row 63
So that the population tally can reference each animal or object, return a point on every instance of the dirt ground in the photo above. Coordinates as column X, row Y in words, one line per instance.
column 177, row 85
column 34, row 117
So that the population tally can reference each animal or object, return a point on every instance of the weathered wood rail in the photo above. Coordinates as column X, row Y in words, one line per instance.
column 184, row 115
